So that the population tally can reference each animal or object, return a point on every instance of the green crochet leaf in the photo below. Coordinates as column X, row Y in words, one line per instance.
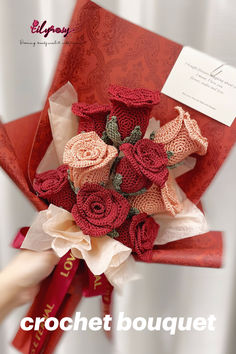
column 113, row 234
column 113, row 131
column 169, row 154
column 175, row 165
column 135, row 135
column 132, row 212
column 152, row 135
column 114, row 164
column 75, row 190
column 117, row 181
column 134, row 194
column 105, row 137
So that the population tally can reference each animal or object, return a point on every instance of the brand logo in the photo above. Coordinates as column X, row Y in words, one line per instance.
column 42, row 28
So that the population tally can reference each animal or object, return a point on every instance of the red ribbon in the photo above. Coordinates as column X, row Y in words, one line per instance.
column 19, row 238
column 96, row 285
column 51, row 300
column 58, row 287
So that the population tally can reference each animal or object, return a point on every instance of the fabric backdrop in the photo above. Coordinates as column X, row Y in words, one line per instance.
column 26, row 72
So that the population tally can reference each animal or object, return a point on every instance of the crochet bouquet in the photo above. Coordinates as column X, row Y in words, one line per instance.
column 117, row 179
column 110, row 197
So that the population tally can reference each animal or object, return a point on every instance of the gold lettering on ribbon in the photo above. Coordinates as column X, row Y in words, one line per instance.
column 68, row 264
column 97, row 281
column 48, row 309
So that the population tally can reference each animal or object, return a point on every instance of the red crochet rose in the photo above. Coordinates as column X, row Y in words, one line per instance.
column 92, row 117
column 148, row 158
column 132, row 107
column 53, row 185
column 132, row 180
column 99, row 210
column 139, row 233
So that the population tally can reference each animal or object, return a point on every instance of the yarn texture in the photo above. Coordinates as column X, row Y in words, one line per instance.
column 89, row 159
column 158, row 200
column 133, row 180
column 132, row 107
column 53, row 185
column 139, row 233
column 91, row 117
column 148, row 158
column 98, row 210
column 181, row 136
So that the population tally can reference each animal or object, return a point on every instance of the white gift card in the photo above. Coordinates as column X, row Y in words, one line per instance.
column 203, row 83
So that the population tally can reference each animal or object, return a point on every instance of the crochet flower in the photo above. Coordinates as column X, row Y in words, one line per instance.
column 132, row 107
column 98, row 210
column 91, row 117
column 149, row 159
column 56, row 228
column 89, row 159
column 53, row 185
column 158, row 200
column 139, row 234
column 128, row 179
column 182, row 137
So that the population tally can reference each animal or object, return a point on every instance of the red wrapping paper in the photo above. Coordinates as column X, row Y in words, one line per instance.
column 129, row 56
column 14, row 153
column 195, row 251
column 109, row 50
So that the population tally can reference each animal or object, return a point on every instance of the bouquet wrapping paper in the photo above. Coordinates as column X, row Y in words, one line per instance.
column 108, row 50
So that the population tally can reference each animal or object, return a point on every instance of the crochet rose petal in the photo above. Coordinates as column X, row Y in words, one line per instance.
column 158, row 200
column 170, row 198
column 53, row 185
column 132, row 107
column 132, row 180
column 134, row 97
column 182, row 136
column 95, row 174
column 196, row 136
column 143, row 232
column 148, row 159
column 80, row 176
column 89, row 159
column 92, row 117
column 139, row 234
column 98, row 211
column 84, row 150
column 123, row 231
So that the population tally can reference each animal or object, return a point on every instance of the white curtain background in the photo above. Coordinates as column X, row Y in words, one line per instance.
column 26, row 72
